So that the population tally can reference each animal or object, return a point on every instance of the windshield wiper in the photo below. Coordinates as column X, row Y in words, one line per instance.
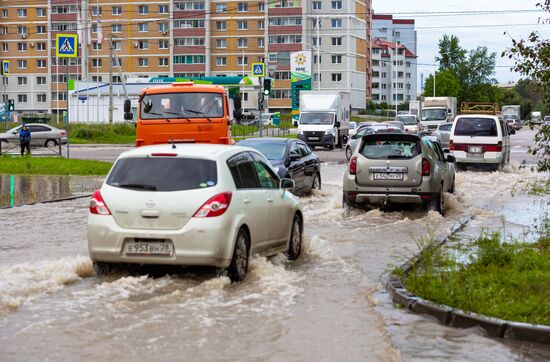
column 139, row 186
column 200, row 113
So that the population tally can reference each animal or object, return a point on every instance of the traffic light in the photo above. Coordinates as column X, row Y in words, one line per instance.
column 267, row 86
column 261, row 102
column 11, row 105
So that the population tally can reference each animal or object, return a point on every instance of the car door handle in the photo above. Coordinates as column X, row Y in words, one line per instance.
column 246, row 201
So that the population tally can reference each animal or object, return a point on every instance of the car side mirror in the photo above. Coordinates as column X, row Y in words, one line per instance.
column 128, row 116
column 337, row 124
column 451, row 159
column 127, row 106
column 287, row 184
column 294, row 156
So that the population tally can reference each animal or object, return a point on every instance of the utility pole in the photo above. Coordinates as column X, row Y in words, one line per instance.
column 111, row 107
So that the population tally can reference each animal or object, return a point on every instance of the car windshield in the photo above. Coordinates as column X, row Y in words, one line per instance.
column 476, row 127
column 352, row 125
column 273, row 151
column 316, row 118
column 434, row 114
column 181, row 105
column 363, row 131
column 387, row 148
column 407, row 121
column 163, row 174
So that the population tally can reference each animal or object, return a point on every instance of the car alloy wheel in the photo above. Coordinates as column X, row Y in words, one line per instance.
column 239, row 262
column 51, row 143
column 295, row 242
column 348, row 153
column 316, row 182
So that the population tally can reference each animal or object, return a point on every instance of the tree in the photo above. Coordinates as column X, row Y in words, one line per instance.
column 532, row 58
column 451, row 55
column 446, row 85
column 481, row 67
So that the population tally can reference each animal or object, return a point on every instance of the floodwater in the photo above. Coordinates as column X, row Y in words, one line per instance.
column 16, row 190
column 330, row 305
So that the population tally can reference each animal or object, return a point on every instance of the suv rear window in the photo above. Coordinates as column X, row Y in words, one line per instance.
column 486, row 127
column 385, row 148
column 163, row 174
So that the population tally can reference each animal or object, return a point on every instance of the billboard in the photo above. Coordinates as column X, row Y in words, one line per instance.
column 300, row 78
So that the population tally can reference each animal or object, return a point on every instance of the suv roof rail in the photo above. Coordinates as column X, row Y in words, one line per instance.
column 479, row 108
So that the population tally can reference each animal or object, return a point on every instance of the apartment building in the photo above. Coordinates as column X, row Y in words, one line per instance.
column 393, row 73
column 181, row 39
column 402, row 31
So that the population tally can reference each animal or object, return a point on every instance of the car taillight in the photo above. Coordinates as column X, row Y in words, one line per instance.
column 63, row 133
column 353, row 165
column 215, row 206
column 98, row 206
column 451, row 145
column 493, row 148
column 458, row 146
column 425, row 167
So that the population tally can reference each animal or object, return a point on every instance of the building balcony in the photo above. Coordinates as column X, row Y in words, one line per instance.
column 278, row 30
column 182, row 50
column 187, row 68
column 285, row 11
column 285, row 47
column 64, row 17
column 189, row 32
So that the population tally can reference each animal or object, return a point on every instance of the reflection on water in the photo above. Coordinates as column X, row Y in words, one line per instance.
column 16, row 190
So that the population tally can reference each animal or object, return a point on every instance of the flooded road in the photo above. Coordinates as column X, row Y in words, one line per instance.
column 330, row 305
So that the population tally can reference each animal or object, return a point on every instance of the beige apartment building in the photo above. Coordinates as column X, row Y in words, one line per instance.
column 182, row 39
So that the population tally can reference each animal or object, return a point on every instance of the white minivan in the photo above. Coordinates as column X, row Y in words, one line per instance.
column 480, row 139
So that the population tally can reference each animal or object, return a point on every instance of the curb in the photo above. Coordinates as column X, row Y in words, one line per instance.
column 453, row 317
column 49, row 201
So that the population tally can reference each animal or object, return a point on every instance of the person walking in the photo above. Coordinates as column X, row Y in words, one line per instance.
column 25, row 139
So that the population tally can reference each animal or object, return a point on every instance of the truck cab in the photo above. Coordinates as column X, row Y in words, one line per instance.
column 183, row 113
column 436, row 111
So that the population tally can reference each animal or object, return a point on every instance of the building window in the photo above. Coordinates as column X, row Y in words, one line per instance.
column 143, row 62
column 5, row 47
column 40, row 29
column 21, row 98
column 336, row 5
column 315, row 59
column 3, row 30
column 41, row 98
column 221, row 61
column 242, row 7
column 260, row 24
column 96, row 45
column 163, row 44
column 117, row 10
column 260, row 42
column 285, row 21
column 4, row 13
column 317, row 41
column 337, row 41
column 285, row 39
column 96, row 78
column 163, row 9
column 384, row 75
column 242, row 43
column 221, row 25
column 384, row 86
column 189, row 59
column 317, row 5
column 221, row 8
column 116, row 28
column 143, row 44
column 41, row 63
column 22, row 30
column 143, row 27
column 117, row 45
column 336, row 77
column 336, row 59
column 96, row 63
column 261, row 7
column 163, row 27
column 22, row 13
column 163, row 62
column 40, row 12
column 22, row 47
column 242, row 60
column 21, row 80
column 96, row 10
column 242, row 25
column 221, row 43
column 317, row 77
column 116, row 79
column 280, row 93
column 336, row 23
column 41, row 80
column 408, row 75
column 190, row 5
column 22, row 64
column 143, row 9
column 316, row 23
column 375, row 74
column 115, row 63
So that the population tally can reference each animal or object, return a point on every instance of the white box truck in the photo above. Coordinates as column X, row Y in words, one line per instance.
column 414, row 108
column 437, row 110
column 324, row 118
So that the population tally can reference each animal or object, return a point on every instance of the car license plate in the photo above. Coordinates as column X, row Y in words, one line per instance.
column 475, row 149
column 474, row 155
column 388, row 176
column 147, row 248
column 314, row 138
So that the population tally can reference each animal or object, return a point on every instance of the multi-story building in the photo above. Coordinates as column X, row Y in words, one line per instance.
column 182, row 39
column 402, row 31
column 393, row 73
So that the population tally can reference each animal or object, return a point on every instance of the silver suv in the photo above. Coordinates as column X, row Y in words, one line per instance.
column 399, row 169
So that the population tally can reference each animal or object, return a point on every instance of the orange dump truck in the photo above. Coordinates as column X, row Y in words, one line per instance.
column 183, row 113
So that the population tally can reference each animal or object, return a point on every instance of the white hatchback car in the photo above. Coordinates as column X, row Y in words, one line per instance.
column 480, row 139
column 210, row 205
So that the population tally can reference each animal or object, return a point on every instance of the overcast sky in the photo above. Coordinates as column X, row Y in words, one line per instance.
column 470, row 38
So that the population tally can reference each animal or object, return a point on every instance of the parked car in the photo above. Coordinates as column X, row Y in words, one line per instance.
column 43, row 135
column 392, row 168
column 442, row 133
column 397, row 124
column 410, row 122
column 292, row 159
column 193, row 204
column 356, row 139
column 352, row 129
column 480, row 139
column 513, row 121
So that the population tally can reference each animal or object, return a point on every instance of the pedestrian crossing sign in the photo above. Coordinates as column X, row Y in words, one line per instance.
column 66, row 45
column 258, row 69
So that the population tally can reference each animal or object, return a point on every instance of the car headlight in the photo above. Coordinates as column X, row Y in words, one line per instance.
column 300, row 131
column 328, row 131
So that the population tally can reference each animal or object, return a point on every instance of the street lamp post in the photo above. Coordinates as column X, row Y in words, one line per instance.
column 316, row 50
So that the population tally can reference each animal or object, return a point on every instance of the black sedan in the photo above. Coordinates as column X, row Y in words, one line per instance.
column 291, row 158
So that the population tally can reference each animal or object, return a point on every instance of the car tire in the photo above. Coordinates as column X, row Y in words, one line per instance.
column 102, row 268
column 453, row 188
column 316, row 185
column 239, row 262
column 348, row 152
column 330, row 147
column 347, row 206
column 50, row 143
column 295, row 241
column 438, row 203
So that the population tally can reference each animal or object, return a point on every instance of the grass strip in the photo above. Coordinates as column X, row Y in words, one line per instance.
column 507, row 280
column 52, row 166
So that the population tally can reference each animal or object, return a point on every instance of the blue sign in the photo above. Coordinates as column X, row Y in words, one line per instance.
column 258, row 69
column 66, row 45
column 5, row 67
